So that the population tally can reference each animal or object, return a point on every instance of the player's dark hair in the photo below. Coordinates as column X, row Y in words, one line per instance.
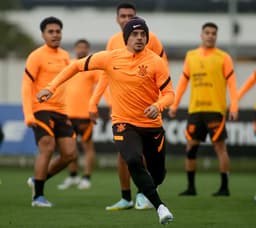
column 82, row 41
column 50, row 20
column 125, row 5
column 209, row 24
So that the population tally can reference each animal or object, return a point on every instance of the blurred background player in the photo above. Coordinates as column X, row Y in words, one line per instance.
column 248, row 84
column 124, row 12
column 80, row 89
column 49, row 121
column 210, row 71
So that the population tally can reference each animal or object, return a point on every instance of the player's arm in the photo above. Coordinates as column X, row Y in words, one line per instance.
column 98, row 92
column 164, row 83
column 96, row 96
column 29, row 76
column 232, row 87
column 97, row 61
column 180, row 90
column 247, row 85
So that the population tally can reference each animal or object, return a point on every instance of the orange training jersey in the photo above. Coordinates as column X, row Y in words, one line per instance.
column 135, row 82
column 42, row 65
column 79, row 90
column 116, row 42
column 209, row 72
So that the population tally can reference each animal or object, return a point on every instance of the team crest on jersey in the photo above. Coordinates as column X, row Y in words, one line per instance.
column 121, row 127
column 142, row 70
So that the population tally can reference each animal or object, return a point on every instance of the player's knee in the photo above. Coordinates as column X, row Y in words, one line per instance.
column 70, row 155
column 134, row 163
column 192, row 152
column 47, row 144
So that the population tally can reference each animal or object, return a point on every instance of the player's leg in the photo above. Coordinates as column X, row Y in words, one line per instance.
column 89, row 160
column 224, row 167
column 190, row 167
column 130, row 144
column 218, row 134
column 154, row 150
column 124, row 177
column 66, row 139
column 45, row 140
column 154, row 159
column 67, row 148
column 195, row 132
column 73, row 179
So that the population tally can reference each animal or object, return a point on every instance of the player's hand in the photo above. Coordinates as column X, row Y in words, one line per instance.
column 44, row 95
column 93, row 116
column 151, row 112
column 172, row 113
column 30, row 121
column 233, row 116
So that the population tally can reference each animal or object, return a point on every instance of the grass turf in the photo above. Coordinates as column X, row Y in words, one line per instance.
column 85, row 208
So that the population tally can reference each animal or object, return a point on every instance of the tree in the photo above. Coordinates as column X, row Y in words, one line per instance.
column 13, row 39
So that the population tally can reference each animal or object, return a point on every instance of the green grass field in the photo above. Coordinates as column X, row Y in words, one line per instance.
column 86, row 208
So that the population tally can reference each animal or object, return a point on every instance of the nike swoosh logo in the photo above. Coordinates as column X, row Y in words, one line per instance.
column 156, row 137
column 136, row 26
column 159, row 148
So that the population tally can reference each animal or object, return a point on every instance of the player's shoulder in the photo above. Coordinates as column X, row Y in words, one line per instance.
column 153, row 57
column 115, row 37
column 152, row 35
column 221, row 52
column 36, row 53
column 192, row 52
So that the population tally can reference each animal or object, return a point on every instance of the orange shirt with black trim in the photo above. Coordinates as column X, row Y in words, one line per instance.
column 247, row 85
column 116, row 42
column 79, row 90
column 135, row 81
column 209, row 71
column 42, row 65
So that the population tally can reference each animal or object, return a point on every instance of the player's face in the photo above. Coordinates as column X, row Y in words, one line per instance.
column 209, row 37
column 52, row 35
column 137, row 40
column 124, row 15
column 81, row 50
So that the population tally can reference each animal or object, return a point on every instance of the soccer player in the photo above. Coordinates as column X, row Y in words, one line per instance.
column 210, row 71
column 78, row 92
column 48, row 120
column 124, row 12
column 137, row 77
column 248, row 84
